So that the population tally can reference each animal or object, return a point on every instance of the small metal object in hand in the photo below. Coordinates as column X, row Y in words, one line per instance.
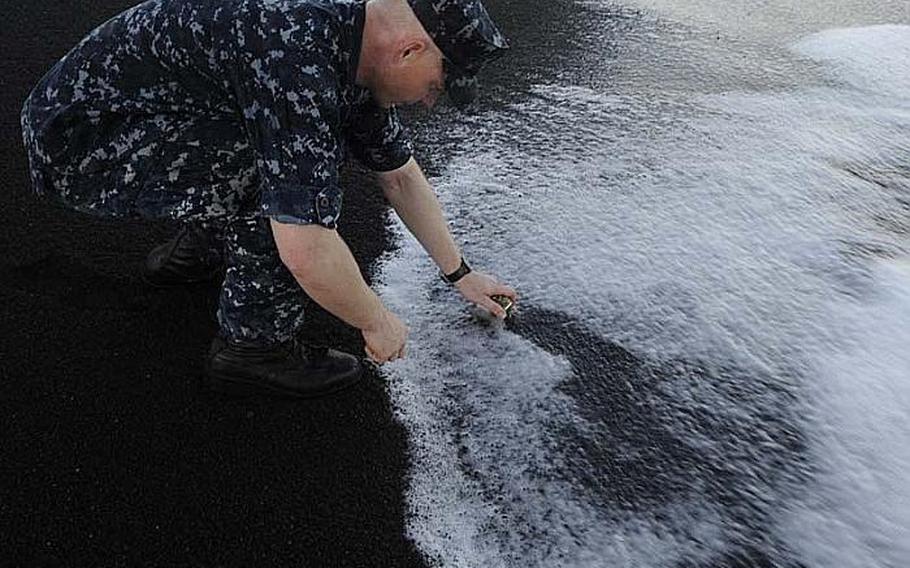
column 506, row 303
column 484, row 316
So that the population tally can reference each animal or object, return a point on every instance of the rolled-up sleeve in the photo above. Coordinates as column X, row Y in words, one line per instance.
column 288, row 90
column 378, row 139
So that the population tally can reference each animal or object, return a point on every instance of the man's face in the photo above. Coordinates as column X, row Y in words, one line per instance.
column 414, row 75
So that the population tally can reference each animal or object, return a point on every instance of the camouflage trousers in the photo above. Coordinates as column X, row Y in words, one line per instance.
column 191, row 169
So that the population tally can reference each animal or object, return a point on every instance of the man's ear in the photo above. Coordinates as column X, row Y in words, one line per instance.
column 411, row 50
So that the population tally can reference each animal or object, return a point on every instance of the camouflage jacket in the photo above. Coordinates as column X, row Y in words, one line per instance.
column 284, row 70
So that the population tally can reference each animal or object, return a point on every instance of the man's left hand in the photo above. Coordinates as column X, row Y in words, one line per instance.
column 477, row 288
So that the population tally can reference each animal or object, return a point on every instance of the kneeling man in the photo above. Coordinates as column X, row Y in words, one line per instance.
column 233, row 117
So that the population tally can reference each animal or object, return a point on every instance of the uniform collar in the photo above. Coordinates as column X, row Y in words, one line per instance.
column 357, row 20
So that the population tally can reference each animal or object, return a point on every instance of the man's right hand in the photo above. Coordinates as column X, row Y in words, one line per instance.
column 385, row 339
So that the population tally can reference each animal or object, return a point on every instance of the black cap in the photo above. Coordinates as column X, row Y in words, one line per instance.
column 468, row 39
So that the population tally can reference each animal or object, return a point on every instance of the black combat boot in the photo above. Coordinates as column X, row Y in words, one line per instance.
column 193, row 256
column 292, row 369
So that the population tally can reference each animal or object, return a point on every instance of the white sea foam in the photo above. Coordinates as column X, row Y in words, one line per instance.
column 734, row 230
column 876, row 60
column 859, row 515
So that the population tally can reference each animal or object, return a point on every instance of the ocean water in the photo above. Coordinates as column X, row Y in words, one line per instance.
column 706, row 213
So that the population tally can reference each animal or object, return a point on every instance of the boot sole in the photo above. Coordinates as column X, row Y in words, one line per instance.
column 241, row 388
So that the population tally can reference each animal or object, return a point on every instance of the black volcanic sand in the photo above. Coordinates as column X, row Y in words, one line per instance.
column 111, row 452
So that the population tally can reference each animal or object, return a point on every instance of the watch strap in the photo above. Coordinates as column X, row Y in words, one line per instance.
column 458, row 274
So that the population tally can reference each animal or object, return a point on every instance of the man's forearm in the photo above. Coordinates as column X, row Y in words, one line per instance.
column 329, row 274
column 414, row 201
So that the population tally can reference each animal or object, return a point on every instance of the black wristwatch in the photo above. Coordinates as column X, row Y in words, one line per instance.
column 458, row 274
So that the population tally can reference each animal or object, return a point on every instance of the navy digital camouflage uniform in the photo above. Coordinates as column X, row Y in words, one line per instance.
column 221, row 112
